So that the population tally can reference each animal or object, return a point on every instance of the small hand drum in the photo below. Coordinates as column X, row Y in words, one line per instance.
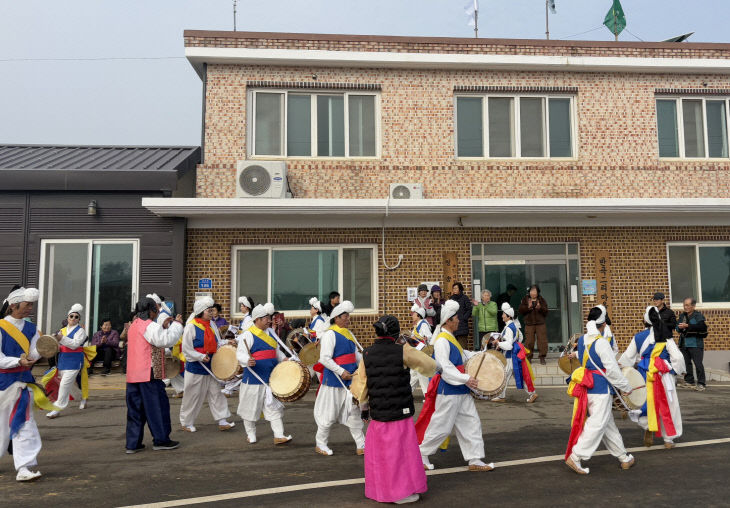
column 224, row 364
column 297, row 339
column 309, row 354
column 47, row 346
column 289, row 381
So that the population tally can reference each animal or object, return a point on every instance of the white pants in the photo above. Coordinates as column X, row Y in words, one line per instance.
column 419, row 380
column 599, row 426
column 232, row 385
column 673, row 410
column 197, row 387
column 67, row 387
column 459, row 413
column 178, row 383
column 508, row 371
column 331, row 407
column 251, row 403
column 27, row 442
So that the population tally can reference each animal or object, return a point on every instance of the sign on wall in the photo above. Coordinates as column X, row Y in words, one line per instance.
column 205, row 283
column 590, row 287
column 603, row 278
column 450, row 271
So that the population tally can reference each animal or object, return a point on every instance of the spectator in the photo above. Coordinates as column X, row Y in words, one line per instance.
column 217, row 318
column 334, row 301
column 423, row 300
column 486, row 314
column 667, row 315
column 123, row 341
column 464, row 313
column 534, row 308
column 280, row 325
column 436, row 301
column 505, row 297
column 106, row 341
column 692, row 332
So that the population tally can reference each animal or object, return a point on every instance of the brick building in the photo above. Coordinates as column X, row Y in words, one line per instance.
column 539, row 162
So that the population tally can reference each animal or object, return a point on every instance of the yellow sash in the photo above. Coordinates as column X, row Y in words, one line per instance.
column 450, row 338
column 16, row 334
column 177, row 351
column 263, row 336
column 653, row 376
column 344, row 332
column 416, row 334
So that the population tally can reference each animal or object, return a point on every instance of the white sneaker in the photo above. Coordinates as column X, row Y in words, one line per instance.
column 83, row 404
column 251, row 439
column 410, row 499
column 53, row 414
column 426, row 463
column 323, row 450
column 190, row 428
column 26, row 475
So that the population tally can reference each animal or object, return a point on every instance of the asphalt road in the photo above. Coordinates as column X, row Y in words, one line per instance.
column 84, row 464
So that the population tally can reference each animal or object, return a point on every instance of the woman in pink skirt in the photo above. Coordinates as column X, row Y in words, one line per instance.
column 393, row 468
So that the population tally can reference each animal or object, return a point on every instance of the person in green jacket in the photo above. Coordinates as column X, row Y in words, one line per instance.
column 486, row 314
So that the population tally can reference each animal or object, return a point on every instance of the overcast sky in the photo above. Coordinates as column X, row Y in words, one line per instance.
column 87, row 93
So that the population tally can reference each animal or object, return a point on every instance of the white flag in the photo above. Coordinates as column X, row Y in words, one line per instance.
column 551, row 4
column 470, row 9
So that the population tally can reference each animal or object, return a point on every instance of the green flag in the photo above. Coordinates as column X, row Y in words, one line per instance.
column 615, row 19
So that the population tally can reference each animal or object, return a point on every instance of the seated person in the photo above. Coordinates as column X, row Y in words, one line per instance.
column 106, row 341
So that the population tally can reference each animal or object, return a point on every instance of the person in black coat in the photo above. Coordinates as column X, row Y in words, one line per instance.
column 668, row 317
column 464, row 313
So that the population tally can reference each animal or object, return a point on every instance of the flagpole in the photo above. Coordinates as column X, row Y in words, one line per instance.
column 547, row 26
column 476, row 24
column 615, row 25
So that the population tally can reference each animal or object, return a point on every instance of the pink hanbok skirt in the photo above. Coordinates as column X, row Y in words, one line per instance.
column 393, row 466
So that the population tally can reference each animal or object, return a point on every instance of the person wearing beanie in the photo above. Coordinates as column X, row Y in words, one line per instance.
column 393, row 469
column 449, row 406
column 517, row 363
column 338, row 359
column 71, row 360
column 200, row 342
column 437, row 300
column 258, row 352
column 425, row 302
column 318, row 325
column 659, row 360
column 421, row 334
column 591, row 385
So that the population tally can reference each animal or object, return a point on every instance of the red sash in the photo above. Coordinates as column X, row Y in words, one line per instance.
column 526, row 374
column 13, row 370
column 339, row 360
column 429, row 405
column 266, row 354
column 661, row 403
column 580, row 392
column 65, row 349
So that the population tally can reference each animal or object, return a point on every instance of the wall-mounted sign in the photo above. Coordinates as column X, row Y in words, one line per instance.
column 603, row 274
column 450, row 271
column 411, row 294
column 590, row 286
column 205, row 283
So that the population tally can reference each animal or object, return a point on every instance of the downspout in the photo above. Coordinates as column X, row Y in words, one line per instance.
column 382, row 246
column 202, row 130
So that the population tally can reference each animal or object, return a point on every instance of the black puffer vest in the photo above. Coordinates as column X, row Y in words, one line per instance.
column 389, row 384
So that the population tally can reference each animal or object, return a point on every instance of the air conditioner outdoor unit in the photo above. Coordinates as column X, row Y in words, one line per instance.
column 406, row 191
column 261, row 179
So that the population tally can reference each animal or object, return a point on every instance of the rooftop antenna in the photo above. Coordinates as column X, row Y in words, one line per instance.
column 234, row 14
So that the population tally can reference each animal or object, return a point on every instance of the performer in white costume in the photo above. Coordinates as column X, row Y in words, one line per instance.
column 421, row 333
column 319, row 323
column 517, row 363
column 245, row 305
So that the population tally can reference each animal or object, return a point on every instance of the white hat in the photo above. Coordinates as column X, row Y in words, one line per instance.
column 258, row 312
column 345, row 307
column 449, row 310
column 507, row 309
column 269, row 308
column 602, row 318
column 243, row 300
column 156, row 298
column 313, row 302
column 646, row 314
column 419, row 310
column 76, row 307
column 201, row 304
column 23, row 295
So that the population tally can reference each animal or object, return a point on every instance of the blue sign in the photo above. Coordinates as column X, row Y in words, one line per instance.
column 590, row 287
column 208, row 283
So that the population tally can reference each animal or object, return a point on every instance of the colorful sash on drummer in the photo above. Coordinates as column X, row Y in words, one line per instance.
column 264, row 336
column 581, row 380
column 16, row 334
column 657, row 405
column 521, row 367
column 263, row 350
column 210, row 344
column 345, row 333
column 51, row 379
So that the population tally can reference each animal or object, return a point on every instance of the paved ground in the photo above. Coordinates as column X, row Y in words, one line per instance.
column 83, row 460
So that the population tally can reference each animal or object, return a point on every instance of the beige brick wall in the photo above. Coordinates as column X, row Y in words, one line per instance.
column 638, row 259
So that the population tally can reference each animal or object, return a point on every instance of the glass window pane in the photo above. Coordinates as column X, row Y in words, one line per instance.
column 362, row 125
column 252, row 277
column 357, row 274
column 531, row 127
column 268, row 123
column 694, row 137
column 716, row 129
column 560, row 130
column 299, row 125
column 666, row 119
column 491, row 249
column 298, row 275
column 683, row 272
column 501, row 123
column 469, row 127
column 111, row 284
column 476, row 249
column 715, row 274
column 330, row 126
column 66, row 275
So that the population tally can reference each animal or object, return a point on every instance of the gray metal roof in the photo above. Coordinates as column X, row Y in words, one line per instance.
column 117, row 158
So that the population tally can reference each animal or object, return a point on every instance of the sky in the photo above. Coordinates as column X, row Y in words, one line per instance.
column 113, row 72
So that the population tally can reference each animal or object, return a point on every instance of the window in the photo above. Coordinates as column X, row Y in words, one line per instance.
column 692, row 128
column 301, row 124
column 99, row 274
column 526, row 127
column 700, row 271
column 288, row 276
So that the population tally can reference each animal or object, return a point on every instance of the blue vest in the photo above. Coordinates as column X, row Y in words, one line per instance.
column 445, row 388
column 314, row 323
column 600, row 385
column 71, row 361
column 263, row 367
column 198, row 342
column 343, row 346
column 12, row 348
column 643, row 365
column 516, row 335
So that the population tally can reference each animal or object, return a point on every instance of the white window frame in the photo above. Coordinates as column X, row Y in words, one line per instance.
column 89, row 262
column 516, row 138
column 251, row 130
column 236, row 313
column 679, row 99
column 700, row 303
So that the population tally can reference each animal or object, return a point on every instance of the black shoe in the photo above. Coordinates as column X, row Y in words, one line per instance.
column 138, row 449
column 170, row 445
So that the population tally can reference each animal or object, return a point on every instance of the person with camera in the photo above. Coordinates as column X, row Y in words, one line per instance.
column 534, row 308
column 692, row 332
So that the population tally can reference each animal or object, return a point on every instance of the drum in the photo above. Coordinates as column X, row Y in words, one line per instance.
column 224, row 364
column 297, row 339
column 566, row 363
column 309, row 354
column 499, row 356
column 172, row 366
column 428, row 350
column 489, row 372
column 47, row 346
column 490, row 342
column 289, row 381
column 637, row 398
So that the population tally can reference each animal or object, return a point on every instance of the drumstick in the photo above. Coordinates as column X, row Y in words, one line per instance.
column 480, row 366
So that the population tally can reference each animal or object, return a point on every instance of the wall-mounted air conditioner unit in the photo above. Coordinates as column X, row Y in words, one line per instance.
column 261, row 179
column 406, row 191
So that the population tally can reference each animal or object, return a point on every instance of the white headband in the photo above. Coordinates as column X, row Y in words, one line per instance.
column 419, row 310
column 243, row 300
column 269, row 308
column 202, row 304
column 156, row 298
column 313, row 302
column 602, row 318
column 507, row 309
column 76, row 307
column 448, row 310
column 258, row 312
column 646, row 314
column 23, row 295
column 345, row 307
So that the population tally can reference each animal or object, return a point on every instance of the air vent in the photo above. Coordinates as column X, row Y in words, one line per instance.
column 261, row 179
column 406, row 191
